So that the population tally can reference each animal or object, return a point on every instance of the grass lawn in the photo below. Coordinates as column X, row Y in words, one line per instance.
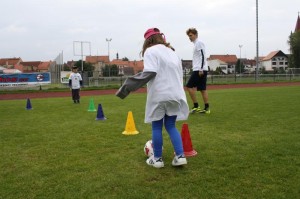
column 248, row 147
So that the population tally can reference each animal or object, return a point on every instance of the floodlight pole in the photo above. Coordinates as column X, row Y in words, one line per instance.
column 240, row 46
column 257, row 54
column 81, row 56
column 108, row 40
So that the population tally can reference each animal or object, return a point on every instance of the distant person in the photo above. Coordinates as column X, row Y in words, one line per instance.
column 75, row 82
column 198, row 78
column 166, row 99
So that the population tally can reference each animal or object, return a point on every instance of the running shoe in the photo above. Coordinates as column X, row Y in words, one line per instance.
column 179, row 160
column 195, row 110
column 155, row 162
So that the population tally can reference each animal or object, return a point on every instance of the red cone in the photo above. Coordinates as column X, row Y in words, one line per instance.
column 187, row 142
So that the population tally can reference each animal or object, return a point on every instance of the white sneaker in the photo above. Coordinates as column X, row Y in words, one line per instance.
column 179, row 160
column 157, row 163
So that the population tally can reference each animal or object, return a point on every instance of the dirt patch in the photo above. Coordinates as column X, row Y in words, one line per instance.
column 142, row 90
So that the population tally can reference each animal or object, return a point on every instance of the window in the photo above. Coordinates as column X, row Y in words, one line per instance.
column 273, row 63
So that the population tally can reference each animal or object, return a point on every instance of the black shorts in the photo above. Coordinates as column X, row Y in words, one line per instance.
column 197, row 81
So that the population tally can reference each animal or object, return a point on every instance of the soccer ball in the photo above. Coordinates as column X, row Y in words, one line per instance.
column 148, row 148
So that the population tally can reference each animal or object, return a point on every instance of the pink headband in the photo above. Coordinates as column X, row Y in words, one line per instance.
column 152, row 31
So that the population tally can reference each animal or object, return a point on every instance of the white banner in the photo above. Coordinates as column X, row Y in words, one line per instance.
column 65, row 76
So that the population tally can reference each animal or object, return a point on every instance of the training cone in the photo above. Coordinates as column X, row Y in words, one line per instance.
column 92, row 106
column 130, row 126
column 187, row 142
column 100, row 114
column 28, row 104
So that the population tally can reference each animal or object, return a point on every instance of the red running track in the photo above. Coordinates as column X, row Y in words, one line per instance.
column 43, row 94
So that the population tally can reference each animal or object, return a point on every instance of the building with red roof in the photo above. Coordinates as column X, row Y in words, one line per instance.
column 128, row 67
column 224, row 61
column 275, row 60
column 9, row 62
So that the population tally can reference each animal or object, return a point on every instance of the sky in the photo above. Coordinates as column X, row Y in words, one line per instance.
column 39, row 30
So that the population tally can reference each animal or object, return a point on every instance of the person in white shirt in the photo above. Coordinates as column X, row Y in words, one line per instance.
column 166, row 99
column 198, row 78
column 75, row 82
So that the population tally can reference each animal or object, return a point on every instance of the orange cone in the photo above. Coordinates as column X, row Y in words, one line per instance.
column 187, row 142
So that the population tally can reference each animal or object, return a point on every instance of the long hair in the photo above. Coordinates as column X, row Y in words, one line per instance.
column 154, row 40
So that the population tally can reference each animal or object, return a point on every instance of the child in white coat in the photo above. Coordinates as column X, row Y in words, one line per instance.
column 166, row 99
column 75, row 82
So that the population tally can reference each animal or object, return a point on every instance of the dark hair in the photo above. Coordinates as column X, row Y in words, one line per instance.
column 154, row 40
column 192, row 30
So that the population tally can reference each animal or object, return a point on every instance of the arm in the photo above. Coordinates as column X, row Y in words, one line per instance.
column 202, row 61
column 70, row 80
column 80, row 81
column 135, row 82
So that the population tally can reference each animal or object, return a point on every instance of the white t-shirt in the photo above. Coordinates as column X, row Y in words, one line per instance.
column 76, row 78
column 199, row 56
column 165, row 92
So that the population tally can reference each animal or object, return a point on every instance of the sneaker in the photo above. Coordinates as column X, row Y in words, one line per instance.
column 179, row 160
column 205, row 111
column 157, row 163
column 195, row 110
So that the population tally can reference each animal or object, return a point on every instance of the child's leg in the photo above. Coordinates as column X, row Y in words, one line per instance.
column 174, row 134
column 157, row 139
column 73, row 94
column 77, row 94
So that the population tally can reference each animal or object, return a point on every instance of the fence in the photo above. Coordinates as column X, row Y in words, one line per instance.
column 115, row 82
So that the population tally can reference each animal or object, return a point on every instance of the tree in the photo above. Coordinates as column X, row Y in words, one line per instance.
column 66, row 67
column 218, row 71
column 87, row 67
column 110, row 70
column 125, row 59
column 294, row 42
column 239, row 66
column 263, row 70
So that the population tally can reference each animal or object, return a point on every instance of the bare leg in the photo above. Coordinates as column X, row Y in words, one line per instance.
column 192, row 93
column 204, row 96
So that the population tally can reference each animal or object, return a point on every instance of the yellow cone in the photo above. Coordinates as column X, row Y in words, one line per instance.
column 130, row 126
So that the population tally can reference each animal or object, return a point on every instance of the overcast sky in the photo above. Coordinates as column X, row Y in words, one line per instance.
column 38, row 30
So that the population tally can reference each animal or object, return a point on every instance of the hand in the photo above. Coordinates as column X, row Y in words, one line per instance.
column 201, row 73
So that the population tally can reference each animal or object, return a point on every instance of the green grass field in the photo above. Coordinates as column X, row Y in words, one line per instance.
column 248, row 147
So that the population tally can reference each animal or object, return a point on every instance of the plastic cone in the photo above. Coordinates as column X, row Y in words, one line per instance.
column 187, row 142
column 92, row 106
column 100, row 114
column 28, row 104
column 130, row 126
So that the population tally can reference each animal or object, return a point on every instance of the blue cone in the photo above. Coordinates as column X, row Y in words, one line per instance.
column 100, row 114
column 28, row 104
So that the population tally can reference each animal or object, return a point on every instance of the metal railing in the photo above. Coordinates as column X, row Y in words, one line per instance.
column 116, row 82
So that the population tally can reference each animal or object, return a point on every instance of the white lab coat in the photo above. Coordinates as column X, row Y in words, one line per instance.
column 166, row 94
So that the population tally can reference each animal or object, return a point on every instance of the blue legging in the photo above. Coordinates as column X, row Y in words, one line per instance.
column 157, row 138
